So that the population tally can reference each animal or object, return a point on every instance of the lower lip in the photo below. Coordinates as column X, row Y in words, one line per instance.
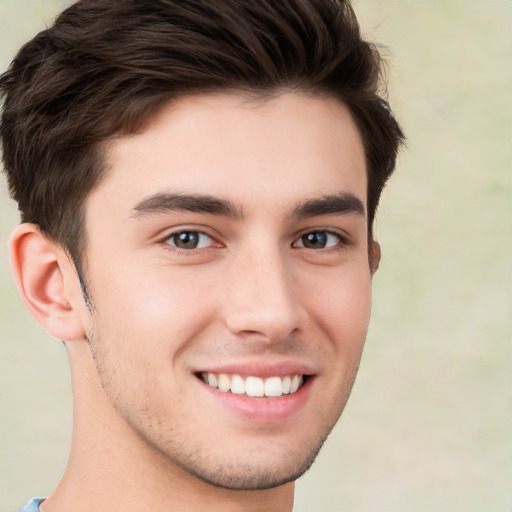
column 263, row 409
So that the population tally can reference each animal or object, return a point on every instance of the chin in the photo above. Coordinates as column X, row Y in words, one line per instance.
column 252, row 477
column 264, row 469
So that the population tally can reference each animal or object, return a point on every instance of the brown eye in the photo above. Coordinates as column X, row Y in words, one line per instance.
column 189, row 240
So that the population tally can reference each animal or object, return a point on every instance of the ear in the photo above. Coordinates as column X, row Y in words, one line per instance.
column 39, row 268
column 375, row 255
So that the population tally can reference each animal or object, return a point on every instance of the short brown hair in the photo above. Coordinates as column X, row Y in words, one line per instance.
column 106, row 66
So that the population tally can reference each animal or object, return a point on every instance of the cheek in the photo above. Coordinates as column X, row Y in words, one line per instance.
column 343, row 314
column 155, row 311
column 141, row 324
column 341, row 308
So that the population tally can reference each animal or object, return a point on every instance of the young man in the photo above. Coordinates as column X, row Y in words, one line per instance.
column 197, row 182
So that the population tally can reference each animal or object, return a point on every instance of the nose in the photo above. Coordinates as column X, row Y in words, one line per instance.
column 262, row 298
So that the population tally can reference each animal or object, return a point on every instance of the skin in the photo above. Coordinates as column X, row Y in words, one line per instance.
column 148, row 433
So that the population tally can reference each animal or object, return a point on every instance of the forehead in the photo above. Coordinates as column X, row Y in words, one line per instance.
column 235, row 147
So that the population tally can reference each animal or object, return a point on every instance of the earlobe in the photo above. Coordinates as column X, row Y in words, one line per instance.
column 37, row 266
column 375, row 255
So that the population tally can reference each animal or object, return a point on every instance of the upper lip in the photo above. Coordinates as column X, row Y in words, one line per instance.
column 261, row 369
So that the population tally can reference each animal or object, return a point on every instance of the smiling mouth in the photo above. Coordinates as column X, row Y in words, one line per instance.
column 254, row 386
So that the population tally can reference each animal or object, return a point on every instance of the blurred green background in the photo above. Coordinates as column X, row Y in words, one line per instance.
column 429, row 424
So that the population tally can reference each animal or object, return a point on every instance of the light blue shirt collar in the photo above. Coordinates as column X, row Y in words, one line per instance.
column 32, row 505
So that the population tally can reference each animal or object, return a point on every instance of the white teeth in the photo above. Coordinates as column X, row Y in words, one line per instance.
column 212, row 380
column 237, row 385
column 254, row 386
column 273, row 387
column 296, row 382
column 286, row 385
column 224, row 382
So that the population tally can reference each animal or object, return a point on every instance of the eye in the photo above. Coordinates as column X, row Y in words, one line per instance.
column 189, row 240
column 319, row 240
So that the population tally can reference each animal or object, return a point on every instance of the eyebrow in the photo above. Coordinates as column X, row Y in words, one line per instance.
column 163, row 202
column 336, row 204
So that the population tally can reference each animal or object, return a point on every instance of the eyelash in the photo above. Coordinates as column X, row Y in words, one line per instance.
column 342, row 241
column 200, row 234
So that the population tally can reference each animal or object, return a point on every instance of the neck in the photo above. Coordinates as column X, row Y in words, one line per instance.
column 112, row 468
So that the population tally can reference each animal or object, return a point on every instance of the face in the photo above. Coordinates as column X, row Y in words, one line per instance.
column 227, row 263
